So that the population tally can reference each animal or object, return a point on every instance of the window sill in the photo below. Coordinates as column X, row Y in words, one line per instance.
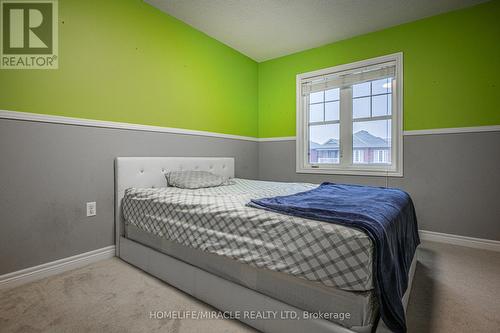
column 352, row 172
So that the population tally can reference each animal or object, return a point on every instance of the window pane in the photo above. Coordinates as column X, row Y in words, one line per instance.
column 316, row 112
column 332, row 94
column 362, row 89
column 361, row 107
column 332, row 111
column 381, row 86
column 316, row 97
column 381, row 105
column 324, row 144
column 371, row 141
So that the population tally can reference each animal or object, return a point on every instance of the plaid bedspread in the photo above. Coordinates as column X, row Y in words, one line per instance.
column 217, row 220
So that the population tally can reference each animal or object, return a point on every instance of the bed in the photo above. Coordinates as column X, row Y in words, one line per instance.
column 193, row 240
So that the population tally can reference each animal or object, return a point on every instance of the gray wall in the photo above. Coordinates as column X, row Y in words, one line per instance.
column 49, row 171
column 454, row 179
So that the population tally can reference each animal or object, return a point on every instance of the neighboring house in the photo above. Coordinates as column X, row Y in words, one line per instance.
column 367, row 148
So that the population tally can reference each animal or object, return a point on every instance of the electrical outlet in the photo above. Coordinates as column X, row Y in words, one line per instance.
column 91, row 209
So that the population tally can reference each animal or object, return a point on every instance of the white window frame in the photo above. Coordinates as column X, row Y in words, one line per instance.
column 348, row 167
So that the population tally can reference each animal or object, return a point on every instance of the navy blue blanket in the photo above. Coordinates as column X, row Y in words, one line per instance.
column 386, row 215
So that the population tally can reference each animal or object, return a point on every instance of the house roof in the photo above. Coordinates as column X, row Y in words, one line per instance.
column 361, row 139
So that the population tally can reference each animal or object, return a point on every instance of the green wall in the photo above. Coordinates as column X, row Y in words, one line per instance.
column 125, row 61
column 451, row 71
column 129, row 62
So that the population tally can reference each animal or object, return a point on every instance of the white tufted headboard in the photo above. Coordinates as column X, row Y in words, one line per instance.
column 149, row 172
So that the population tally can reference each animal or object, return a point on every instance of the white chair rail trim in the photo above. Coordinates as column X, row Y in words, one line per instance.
column 42, row 118
column 27, row 116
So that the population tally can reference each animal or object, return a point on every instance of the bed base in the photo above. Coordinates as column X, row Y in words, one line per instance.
column 225, row 295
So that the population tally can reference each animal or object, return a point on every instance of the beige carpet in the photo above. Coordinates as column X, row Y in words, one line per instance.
column 455, row 290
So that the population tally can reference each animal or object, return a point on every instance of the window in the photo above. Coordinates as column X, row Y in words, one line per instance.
column 349, row 118
column 381, row 156
column 358, row 156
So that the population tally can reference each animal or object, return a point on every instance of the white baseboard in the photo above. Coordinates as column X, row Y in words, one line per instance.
column 477, row 243
column 55, row 267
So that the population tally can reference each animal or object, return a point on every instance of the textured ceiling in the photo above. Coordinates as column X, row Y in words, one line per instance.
column 266, row 29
